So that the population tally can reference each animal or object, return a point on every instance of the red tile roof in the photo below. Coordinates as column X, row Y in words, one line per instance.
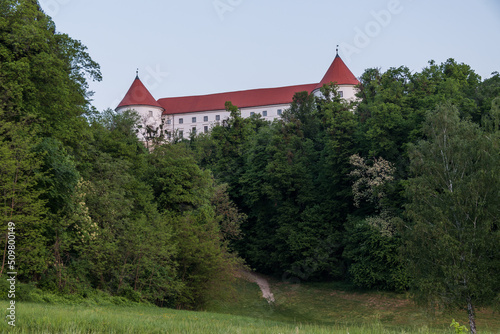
column 138, row 94
column 241, row 99
column 339, row 73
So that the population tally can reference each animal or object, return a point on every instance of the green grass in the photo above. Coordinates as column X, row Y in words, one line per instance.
column 48, row 318
column 334, row 304
column 304, row 308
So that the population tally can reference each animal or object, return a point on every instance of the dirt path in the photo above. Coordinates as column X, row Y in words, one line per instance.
column 262, row 283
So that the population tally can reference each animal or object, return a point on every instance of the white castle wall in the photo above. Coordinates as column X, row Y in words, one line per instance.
column 150, row 117
column 348, row 92
column 205, row 120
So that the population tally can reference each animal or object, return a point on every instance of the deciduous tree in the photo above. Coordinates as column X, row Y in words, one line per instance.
column 452, row 236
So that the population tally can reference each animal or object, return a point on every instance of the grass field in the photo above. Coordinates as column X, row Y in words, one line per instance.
column 305, row 308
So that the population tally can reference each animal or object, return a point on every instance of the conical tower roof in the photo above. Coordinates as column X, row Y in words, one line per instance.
column 138, row 94
column 338, row 73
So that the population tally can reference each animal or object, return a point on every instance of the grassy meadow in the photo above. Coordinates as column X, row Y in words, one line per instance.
column 304, row 308
column 339, row 307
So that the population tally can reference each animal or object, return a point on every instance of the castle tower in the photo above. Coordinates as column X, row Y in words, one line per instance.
column 341, row 75
column 138, row 98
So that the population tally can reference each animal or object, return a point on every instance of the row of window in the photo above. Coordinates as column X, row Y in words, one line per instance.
column 217, row 117
column 193, row 119
column 193, row 131
column 205, row 119
column 181, row 132
column 264, row 113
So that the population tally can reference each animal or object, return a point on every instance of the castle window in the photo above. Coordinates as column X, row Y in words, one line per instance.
column 264, row 113
column 181, row 120
column 205, row 129
column 193, row 130
column 151, row 113
column 217, row 117
column 279, row 111
column 252, row 113
column 169, row 121
column 341, row 93
column 205, row 118
column 181, row 134
column 193, row 120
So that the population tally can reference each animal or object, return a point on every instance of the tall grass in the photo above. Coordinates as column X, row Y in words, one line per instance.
column 48, row 318
column 306, row 308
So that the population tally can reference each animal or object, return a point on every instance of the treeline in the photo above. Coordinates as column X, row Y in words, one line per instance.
column 92, row 208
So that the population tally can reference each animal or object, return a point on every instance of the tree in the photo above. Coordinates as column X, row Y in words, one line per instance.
column 488, row 91
column 226, row 148
column 292, row 189
column 43, row 73
column 453, row 232
column 116, row 218
column 394, row 104
column 117, row 246
column 373, row 242
column 57, row 182
column 20, row 199
column 201, row 220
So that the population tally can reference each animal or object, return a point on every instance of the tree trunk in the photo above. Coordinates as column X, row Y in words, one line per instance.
column 151, row 277
column 4, row 253
column 7, row 233
column 472, row 317
column 137, row 272
column 58, row 262
column 122, row 274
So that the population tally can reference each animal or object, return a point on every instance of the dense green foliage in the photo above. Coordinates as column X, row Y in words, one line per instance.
column 329, row 176
column 333, row 190
column 92, row 207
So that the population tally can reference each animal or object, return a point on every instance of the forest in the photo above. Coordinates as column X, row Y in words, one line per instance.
column 399, row 190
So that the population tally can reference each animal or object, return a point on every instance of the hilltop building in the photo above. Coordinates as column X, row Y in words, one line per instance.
column 195, row 114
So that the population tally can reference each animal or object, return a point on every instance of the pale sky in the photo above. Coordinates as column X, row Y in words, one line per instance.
column 193, row 47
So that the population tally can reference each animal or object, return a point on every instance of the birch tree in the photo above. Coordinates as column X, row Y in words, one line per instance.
column 453, row 235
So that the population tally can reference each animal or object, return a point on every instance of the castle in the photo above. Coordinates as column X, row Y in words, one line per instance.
column 187, row 115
